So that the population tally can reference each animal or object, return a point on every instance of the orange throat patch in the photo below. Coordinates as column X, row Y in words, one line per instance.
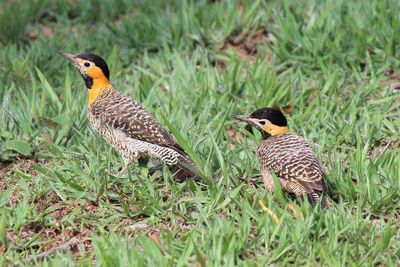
column 100, row 85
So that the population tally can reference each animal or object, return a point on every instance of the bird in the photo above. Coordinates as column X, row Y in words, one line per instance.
column 120, row 120
column 288, row 156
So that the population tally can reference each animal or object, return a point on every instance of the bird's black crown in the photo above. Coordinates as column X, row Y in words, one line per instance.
column 275, row 116
column 98, row 61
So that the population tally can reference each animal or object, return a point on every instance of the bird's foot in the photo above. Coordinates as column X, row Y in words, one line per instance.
column 123, row 171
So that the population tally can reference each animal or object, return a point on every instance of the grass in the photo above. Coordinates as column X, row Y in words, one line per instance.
column 193, row 64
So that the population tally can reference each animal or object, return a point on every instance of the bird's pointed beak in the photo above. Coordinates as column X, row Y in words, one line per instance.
column 68, row 56
column 247, row 119
column 244, row 118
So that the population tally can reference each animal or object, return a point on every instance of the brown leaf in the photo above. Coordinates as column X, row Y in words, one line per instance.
column 314, row 94
column 371, row 50
column 394, row 84
column 234, row 135
column 389, row 72
column 223, row 45
column 242, row 52
column 231, row 133
column 32, row 35
column 91, row 206
column 311, row 98
column 199, row 264
column 268, row 59
column 47, row 31
column 154, row 235
column 164, row 88
column 288, row 109
column 239, row 7
column 135, row 12
column 221, row 64
column 245, row 44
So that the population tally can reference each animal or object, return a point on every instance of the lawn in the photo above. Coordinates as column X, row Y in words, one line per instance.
column 333, row 67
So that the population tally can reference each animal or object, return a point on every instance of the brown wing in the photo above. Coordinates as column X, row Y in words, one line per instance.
column 123, row 113
column 290, row 158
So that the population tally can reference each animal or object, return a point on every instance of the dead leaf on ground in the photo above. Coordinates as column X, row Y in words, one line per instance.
column 23, row 165
column 154, row 235
column 311, row 98
column 246, row 44
column 288, row 109
column 222, row 65
column 164, row 88
column 390, row 73
column 393, row 82
column 382, row 146
column 4, row 167
column 135, row 12
column 239, row 7
column 37, row 30
column 236, row 136
column 91, row 206
column 201, row 264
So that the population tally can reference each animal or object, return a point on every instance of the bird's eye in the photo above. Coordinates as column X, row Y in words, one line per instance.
column 262, row 122
column 87, row 64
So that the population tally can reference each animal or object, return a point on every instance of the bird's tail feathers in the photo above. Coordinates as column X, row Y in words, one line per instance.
column 186, row 169
column 314, row 198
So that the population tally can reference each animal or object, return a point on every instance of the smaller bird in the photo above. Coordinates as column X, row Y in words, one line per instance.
column 288, row 156
column 125, row 124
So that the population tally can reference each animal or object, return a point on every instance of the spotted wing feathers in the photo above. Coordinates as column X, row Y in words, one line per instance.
column 125, row 114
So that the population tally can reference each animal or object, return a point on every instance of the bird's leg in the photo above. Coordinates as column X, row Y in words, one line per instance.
column 123, row 170
column 127, row 161
column 143, row 162
column 270, row 186
column 268, row 181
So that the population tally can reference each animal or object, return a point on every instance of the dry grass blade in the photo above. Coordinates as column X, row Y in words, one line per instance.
column 268, row 211
column 293, row 209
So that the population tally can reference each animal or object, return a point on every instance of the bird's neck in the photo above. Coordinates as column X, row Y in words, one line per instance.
column 98, row 87
column 272, row 130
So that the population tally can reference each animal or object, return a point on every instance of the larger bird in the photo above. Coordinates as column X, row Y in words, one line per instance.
column 288, row 156
column 124, row 123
